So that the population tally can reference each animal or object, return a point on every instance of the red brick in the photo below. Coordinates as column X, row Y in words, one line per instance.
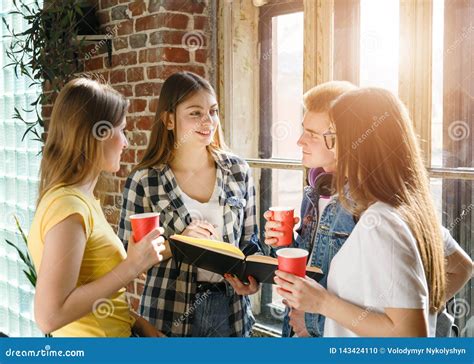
column 113, row 216
column 104, row 4
column 135, row 303
column 142, row 56
column 125, row 27
column 140, row 286
column 155, row 21
column 135, row 74
column 148, row 89
column 137, row 105
column 94, row 63
column 185, row 6
column 201, row 22
column 131, row 287
column 177, row 55
column 137, row 7
column 119, row 12
column 47, row 86
column 120, row 43
column 103, row 16
column 152, row 55
column 138, row 40
column 201, row 56
column 145, row 122
column 125, row 90
column 117, row 76
column 172, row 37
column 128, row 156
column 124, row 170
column 88, row 48
column 46, row 111
column 124, row 59
column 108, row 200
column 121, row 184
column 137, row 139
column 140, row 154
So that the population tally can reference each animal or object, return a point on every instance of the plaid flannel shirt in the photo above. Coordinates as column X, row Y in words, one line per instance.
column 168, row 296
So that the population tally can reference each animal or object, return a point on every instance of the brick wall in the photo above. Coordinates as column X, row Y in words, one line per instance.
column 151, row 40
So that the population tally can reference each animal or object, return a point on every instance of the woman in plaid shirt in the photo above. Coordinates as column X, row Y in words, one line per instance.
column 200, row 190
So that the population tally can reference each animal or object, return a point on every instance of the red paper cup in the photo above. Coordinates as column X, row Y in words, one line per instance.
column 142, row 224
column 285, row 215
column 292, row 260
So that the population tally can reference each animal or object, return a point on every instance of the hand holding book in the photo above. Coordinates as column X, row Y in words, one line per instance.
column 222, row 258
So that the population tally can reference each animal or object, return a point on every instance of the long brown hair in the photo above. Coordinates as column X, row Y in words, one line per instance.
column 176, row 89
column 378, row 159
column 83, row 116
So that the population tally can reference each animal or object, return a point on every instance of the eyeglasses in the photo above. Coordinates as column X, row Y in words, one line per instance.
column 329, row 139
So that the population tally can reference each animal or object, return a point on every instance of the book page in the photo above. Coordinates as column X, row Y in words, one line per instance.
column 218, row 246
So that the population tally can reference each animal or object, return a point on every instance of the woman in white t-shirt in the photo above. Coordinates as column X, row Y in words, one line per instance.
column 388, row 278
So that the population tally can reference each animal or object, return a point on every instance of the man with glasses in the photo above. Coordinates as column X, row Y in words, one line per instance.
column 325, row 225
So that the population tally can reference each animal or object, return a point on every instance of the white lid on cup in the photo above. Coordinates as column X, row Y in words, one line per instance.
column 281, row 208
column 292, row 253
column 144, row 215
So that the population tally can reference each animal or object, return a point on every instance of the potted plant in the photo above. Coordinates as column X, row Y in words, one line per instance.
column 30, row 271
column 47, row 50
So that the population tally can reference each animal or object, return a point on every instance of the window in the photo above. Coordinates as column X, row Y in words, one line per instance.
column 18, row 187
column 367, row 42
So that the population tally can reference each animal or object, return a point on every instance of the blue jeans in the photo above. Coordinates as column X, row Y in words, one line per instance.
column 211, row 315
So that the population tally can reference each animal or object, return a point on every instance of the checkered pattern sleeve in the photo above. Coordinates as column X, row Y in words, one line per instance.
column 250, row 229
column 135, row 201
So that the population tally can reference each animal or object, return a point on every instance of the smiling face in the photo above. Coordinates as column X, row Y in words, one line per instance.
column 314, row 150
column 197, row 119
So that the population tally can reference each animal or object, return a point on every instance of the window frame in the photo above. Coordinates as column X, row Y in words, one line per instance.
column 321, row 19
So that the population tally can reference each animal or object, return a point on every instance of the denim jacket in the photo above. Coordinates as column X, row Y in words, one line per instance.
column 324, row 241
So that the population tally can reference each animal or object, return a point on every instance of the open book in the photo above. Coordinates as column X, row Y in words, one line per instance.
column 221, row 258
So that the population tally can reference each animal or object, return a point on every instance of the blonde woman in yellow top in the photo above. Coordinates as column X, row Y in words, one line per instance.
column 82, row 265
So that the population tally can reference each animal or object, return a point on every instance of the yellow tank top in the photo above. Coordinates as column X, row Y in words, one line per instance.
column 103, row 252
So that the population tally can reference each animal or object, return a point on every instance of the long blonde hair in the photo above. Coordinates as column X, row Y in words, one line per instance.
column 83, row 115
column 378, row 159
column 176, row 89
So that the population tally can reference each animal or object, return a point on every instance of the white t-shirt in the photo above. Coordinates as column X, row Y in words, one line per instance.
column 379, row 266
column 449, row 244
column 213, row 213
